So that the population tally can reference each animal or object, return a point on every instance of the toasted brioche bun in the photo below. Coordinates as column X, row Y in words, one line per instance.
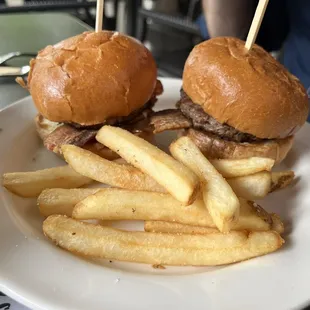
column 45, row 127
column 92, row 77
column 213, row 147
column 249, row 91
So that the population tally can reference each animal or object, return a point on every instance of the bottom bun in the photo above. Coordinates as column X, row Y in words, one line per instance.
column 45, row 127
column 214, row 147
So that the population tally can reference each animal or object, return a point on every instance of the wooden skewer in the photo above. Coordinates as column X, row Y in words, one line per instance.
column 256, row 22
column 99, row 15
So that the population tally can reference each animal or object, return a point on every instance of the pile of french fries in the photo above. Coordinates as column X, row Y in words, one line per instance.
column 195, row 211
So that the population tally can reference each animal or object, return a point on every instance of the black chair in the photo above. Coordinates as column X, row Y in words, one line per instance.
column 47, row 5
column 171, row 64
column 180, row 21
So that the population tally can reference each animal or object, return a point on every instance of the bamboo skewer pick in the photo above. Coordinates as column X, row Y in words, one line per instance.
column 256, row 22
column 99, row 15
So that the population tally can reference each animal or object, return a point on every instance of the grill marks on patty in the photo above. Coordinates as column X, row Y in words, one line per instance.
column 193, row 115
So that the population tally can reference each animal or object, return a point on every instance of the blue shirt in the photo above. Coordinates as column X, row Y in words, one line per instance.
column 296, row 56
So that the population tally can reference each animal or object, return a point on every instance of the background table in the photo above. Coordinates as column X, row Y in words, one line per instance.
column 29, row 33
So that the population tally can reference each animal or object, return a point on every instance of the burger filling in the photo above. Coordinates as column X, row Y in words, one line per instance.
column 191, row 115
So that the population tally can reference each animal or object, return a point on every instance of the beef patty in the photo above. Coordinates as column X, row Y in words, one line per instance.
column 201, row 120
column 191, row 115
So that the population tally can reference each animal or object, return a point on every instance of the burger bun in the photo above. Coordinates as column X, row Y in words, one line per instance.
column 248, row 90
column 92, row 77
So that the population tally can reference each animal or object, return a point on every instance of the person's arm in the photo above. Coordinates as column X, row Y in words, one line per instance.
column 228, row 17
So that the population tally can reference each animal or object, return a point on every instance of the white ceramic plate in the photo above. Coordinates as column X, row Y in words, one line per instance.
column 41, row 276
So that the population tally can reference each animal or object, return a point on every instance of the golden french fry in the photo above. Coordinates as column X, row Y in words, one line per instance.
column 121, row 161
column 138, row 237
column 31, row 184
column 219, row 198
column 252, row 215
column 108, row 172
column 173, row 227
column 281, row 179
column 231, row 168
column 118, row 204
column 151, row 248
column 62, row 201
column 177, row 179
column 277, row 224
column 176, row 228
column 253, row 186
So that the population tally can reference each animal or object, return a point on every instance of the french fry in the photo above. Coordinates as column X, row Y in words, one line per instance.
column 217, row 241
column 277, row 224
column 176, row 228
column 253, row 215
column 108, row 172
column 117, row 204
column 151, row 248
column 231, row 168
column 31, row 184
column 62, row 201
column 177, row 179
column 281, row 179
column 219, row 198
column 120, row 204
column 123, row 175
column 251, row 187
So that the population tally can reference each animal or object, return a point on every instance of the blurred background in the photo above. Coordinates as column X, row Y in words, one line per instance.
column 169, row 28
